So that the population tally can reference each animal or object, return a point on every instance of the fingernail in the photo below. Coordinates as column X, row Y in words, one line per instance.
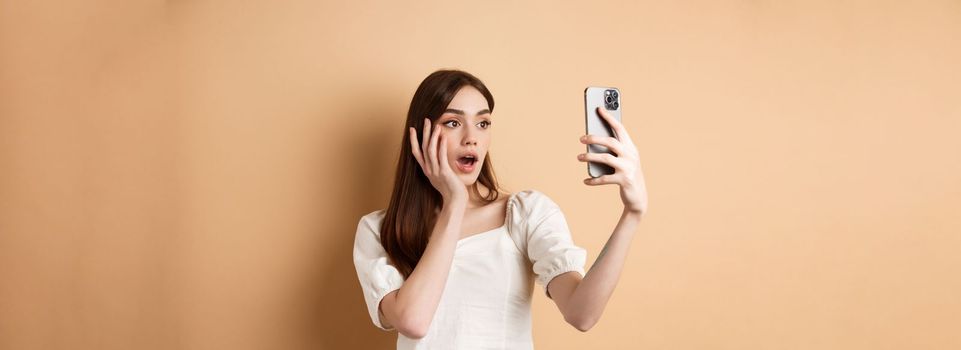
column 580, row 156
column 584, row 138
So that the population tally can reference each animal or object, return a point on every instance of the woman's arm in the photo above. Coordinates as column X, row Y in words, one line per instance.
column 411, row 308
column 582, row 301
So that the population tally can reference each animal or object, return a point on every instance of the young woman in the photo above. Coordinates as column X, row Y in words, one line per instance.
column 450, row 264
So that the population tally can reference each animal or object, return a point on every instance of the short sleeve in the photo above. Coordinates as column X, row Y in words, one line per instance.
column 542, row 230
column 377, row 276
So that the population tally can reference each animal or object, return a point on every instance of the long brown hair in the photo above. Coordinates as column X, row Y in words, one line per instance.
column 414, row 201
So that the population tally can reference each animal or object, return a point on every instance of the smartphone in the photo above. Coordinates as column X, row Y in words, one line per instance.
column 608, row 98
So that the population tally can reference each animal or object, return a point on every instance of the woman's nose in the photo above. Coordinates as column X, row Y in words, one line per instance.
column 469, row 138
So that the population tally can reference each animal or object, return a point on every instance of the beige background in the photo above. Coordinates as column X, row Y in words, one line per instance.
column 189, row 174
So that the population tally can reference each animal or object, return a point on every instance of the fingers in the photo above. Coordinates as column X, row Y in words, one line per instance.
column 611, row 143
column 425, row 141
column 619, row 129
column 603, row 158
column 602, row 180
column 415, row 147
column 444, row 164
column 432, row 150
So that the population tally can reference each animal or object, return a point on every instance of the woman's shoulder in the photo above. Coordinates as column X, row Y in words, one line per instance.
column 529, row 204
column 370, row 223
column 526, row 210
column 530, row 198
column 376, row 215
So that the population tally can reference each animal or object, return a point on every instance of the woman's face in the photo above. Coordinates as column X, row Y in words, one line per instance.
column 465, row 125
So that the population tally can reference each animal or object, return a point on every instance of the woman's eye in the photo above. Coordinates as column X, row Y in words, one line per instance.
column 452, row 123
column 484, row 124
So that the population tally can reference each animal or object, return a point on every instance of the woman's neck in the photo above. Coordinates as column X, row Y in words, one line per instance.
column 477, row 199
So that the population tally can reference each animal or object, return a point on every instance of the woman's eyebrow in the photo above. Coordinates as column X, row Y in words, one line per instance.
column 460, row 112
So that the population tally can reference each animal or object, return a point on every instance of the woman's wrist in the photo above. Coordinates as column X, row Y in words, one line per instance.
column 454, row 204
column 632, row 214
column 455, row 198
column 449, row 219
column 633, row 199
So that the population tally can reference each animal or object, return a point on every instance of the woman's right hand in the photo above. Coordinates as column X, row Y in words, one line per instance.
column 432, row 157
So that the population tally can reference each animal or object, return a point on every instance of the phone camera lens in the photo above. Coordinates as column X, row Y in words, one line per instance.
column 614, row 93
column 609, row 99
column 616, row 105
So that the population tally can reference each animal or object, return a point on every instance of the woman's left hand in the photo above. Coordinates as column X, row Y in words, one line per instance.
column 626, row 164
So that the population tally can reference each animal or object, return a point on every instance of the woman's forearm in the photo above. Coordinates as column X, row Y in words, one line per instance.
column 411, row 308
column 591, row 295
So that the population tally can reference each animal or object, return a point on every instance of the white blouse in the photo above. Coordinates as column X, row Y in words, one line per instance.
column 486, row 303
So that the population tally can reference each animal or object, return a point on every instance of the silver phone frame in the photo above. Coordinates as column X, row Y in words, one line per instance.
column 594, row 124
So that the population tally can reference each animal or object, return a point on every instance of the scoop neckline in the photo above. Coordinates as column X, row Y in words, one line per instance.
column 507, row 209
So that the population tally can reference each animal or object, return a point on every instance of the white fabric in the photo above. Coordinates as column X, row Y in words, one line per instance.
column 487, row 300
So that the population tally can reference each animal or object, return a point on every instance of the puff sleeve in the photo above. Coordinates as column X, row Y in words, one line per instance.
column 541, row 229
column 377, row 276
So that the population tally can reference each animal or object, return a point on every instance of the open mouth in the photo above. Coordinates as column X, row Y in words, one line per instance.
column 467, row 160
column 466, row 163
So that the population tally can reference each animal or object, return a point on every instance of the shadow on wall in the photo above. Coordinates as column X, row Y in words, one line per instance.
column 336, row 317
